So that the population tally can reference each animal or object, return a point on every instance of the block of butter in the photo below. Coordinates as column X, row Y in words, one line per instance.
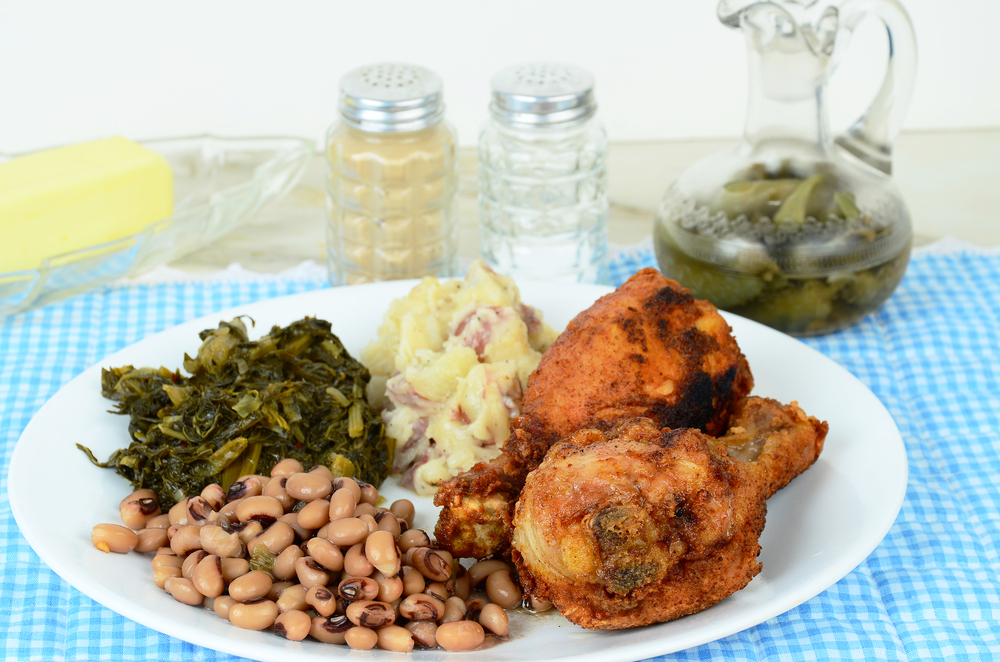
column 69, row 198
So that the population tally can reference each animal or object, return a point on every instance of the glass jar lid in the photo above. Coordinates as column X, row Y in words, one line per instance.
column 541, row 94
column 390, row 97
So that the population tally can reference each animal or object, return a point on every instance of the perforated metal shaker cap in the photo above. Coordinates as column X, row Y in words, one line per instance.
column 391, row 97
column 542, row 94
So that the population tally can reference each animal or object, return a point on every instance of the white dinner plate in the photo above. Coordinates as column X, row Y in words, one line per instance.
column 819, row 528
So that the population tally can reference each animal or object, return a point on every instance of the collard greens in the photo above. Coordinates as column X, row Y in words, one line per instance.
column 295, row 393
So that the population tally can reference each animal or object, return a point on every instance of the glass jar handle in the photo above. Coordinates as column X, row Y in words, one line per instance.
column 872, row 137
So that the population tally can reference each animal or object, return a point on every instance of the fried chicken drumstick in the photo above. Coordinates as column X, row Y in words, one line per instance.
column 648, row 349
column 642, row 525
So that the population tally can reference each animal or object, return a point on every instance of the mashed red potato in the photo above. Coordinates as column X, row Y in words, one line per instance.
column 449, row 366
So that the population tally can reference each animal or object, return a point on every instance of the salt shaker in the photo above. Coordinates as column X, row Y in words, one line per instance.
column 392, row 178
column 543, row 178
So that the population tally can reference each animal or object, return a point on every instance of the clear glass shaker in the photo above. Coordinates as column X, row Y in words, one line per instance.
column 392, row 178
column 543, row 177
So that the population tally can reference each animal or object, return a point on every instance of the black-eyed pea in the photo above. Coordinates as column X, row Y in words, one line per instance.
column 321, row 470
column 537, row 605
column 255, row 584
column 412, row 538
column 250, row 531
column 326, row 554
column 165, row 572
column 424, row 633
column 347, row 531
column 381, row 552
column 433, row 563
column 215, row 540
column 207, row 577
column 395, row 638
column 214, row 495
column 369, row 494
column 136, row 512
column 158, row 522
column 364, row 509
column 308, row 486
column 292, row 624
column 286, row 467
column 284, row 564
column 221, row 606
column 191, row 562
column 113, row 538
column 413, row 581
column 277, row 588
column 330, row 629
column 246, row 486
column 421, row 607
column 177, row 515
column 454, row 609
column 314, row 514
column 292, row 598
column 150, row 540
column 387, row 522
column 449, row 560
column 321, row 532
column 292, row 520
column 310, row 573
column 390, row 588
column 199, row 510
column 361, row 639
column 460, row 636
column 494, row 618
column 502, row 589
column 343, row 502
column 276, row 538
column 234, row 568
column 322, row 600
column 478, row 572
column 161, row 560
column 186, row 539
column 342, row 482
column 438, row 590
column 183, row 591
column 355, row 589
column 141, row 493
column 229, row 510
column 356, row 564
column 276, row 490
column 461, row 582
column 371, row 613
column 403, row 509
column 255, row 614
column 473, row 607
column 261, row 508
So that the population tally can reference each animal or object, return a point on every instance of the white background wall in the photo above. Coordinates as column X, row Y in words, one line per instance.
column 665, row 69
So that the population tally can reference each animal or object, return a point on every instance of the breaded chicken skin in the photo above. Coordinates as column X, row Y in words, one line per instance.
column 648, row 349
column 642, row 525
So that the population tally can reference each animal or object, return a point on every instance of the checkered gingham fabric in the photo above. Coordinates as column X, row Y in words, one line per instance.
column 930, row 591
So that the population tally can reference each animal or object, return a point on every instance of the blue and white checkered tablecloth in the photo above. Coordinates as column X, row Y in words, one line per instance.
column 931, row 590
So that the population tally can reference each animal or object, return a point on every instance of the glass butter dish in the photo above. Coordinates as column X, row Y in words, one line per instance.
column 793, row 228
column 218, row 184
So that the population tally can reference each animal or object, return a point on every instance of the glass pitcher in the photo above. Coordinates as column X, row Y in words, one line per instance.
column 791, row 227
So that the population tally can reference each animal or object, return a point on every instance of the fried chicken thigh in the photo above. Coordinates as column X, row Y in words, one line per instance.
column 642, row 525
column 648, row 349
